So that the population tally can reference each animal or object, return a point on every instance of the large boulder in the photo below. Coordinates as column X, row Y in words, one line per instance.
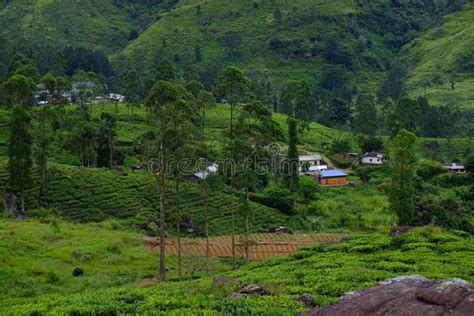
column 407, row 295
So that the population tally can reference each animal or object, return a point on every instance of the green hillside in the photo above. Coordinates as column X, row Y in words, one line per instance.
column 295, row 43
column 103, row 24
column 444, row 56
column 97, row 194
column 326, row 272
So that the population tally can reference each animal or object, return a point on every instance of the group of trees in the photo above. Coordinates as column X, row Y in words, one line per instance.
column 176, row 111
column 176, row 108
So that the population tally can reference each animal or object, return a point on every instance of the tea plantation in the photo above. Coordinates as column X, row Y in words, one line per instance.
column 326, row 272
column 97, row 194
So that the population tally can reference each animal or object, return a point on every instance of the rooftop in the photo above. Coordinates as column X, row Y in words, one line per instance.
column 333, row 174
column 373, row 154
column 311, row 157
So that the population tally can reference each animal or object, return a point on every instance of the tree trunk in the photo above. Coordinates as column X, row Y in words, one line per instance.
column 206, row 227
column 232, row 206
column 247, row 226
column 232, row 209
column 178, row 229
column 111, row 153
column 44, row 162
column 23, row 213
column 162, row 215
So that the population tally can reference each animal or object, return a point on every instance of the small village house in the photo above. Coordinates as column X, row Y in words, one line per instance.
column 332, row 178
column 372, row 158
column 311, row 164
column 455, row 168
column 211, row 168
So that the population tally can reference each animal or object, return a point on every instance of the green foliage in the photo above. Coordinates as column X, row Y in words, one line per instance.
column 308, row 189
column 405, row 115
column 18, row 90
column 279, row 198
column 325, row 271
column 291, row 170
column 402, row 189
column 429, row 169
column 365, row 115
column 19, row 152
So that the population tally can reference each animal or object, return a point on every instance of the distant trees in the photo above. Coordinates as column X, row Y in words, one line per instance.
column 365, row 115
column 59, row 64
column 291, row 174
column 405, row 115
column 232, row 41
column 19, row 90
column 403, row 170
column 335, row 112
column 277, row 16
column 203, row 100
column 106, row 140
column 296, row 101
column 165, row 71
column 197, row 53
column 19, row 153
column 87, row 60
column 132, row 87
column 393, row 85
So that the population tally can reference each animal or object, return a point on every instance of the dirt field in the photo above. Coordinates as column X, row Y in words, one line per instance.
column 261, row 246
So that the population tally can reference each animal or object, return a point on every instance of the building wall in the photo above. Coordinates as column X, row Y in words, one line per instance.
column 375, row 161
column 334, row 181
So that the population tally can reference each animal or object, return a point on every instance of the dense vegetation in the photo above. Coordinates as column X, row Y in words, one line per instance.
column 113, row 113
column 326, row 272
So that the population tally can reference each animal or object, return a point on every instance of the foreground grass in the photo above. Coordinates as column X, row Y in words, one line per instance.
column 39, row 257
column 326, row 272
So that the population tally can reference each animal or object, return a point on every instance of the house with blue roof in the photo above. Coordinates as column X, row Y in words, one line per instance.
column 332, row 178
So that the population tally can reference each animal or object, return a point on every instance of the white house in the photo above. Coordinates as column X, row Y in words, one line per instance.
column 372, row 158
column 311, row 164
column 456, row 168
column 212, row 168
column 115, row 97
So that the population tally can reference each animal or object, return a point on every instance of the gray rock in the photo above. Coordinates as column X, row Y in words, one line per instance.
column 220, row 280
column 255, row 289
column 407, row 295
column 307, row 300
column 236, row 296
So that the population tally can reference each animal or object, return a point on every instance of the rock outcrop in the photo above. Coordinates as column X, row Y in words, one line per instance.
column 253, row 289
column 408, row 295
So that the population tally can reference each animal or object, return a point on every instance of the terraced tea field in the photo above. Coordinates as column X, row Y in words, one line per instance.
column 262, row 245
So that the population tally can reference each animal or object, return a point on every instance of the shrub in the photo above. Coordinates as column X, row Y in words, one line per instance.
column 279, row 198
column 308, row 189
column 428, row 169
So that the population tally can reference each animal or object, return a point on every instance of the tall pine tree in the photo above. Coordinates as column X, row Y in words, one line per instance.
column 19, row 153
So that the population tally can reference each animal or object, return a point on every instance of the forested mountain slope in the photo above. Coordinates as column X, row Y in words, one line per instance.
column 442, row 60
column 339, row 47
column 101, row 24
column 338, row 44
